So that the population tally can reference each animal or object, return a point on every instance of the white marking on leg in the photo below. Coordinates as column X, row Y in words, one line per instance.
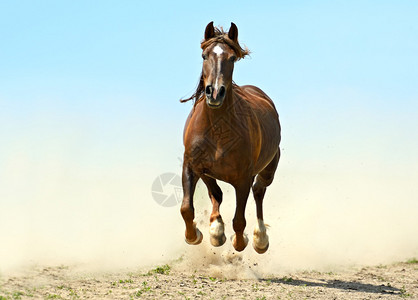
column 261, row 239
column 216, row 231
column 216, row 228
column 260, row 226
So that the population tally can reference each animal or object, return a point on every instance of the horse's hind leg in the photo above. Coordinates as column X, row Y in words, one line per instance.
column 189, row 180
column 217, row 228
column 263, row 180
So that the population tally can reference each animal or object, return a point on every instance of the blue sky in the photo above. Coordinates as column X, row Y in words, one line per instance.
column 111, row 71
column 89, row 91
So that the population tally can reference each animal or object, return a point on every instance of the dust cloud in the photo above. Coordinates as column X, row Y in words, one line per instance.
column 324, row 215
column 330, row 219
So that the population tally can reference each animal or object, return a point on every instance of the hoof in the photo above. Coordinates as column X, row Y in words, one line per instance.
column 260, row 250
column 217, row 241
column 240, row 243
column 198, row 240
column 217, row 235
column 260, row 238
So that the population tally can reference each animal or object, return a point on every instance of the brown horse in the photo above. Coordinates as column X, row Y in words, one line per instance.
column 232, row 134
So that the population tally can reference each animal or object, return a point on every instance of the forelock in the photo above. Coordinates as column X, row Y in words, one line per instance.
column 222, row 37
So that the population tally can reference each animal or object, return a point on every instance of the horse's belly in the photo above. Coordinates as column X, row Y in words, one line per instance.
column 227, row 173
column 264, row 161
column 268, row 148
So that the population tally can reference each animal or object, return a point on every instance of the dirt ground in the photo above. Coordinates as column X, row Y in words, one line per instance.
column 394, row 281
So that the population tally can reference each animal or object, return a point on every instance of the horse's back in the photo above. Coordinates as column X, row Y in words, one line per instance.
column 267, row 122
column 262, row 106
column 258, row 98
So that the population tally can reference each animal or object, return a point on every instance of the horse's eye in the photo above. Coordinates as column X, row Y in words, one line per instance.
column 204, row 56
column 233, row 58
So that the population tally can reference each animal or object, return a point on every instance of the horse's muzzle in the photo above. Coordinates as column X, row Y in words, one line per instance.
column 215, row 98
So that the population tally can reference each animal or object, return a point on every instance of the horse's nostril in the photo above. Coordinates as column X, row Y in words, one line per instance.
column 208, row 90
column 222, row 92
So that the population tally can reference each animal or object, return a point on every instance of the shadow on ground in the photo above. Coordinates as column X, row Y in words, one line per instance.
column 338, row 284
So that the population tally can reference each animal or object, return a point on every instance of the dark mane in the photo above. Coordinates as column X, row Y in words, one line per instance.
column 220, row 37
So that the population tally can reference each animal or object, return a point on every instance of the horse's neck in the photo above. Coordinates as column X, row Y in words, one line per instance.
column 226, row 112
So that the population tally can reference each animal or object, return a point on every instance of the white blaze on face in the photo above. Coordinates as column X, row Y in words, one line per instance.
column 218, row 51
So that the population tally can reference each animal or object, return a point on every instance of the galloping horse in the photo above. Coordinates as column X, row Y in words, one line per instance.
column 232, row 134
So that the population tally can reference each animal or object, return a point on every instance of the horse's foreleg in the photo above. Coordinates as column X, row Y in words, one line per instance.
column 240, row 240
column 217, row 228
column 264, row 179
column 189, row 180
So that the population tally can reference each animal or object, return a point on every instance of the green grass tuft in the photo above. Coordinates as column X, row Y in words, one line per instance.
column 126, row 281
column 404, row 293
column 17, row 295
column 53, row 296
column 145, row 288
column 412, row 261
column 165, row 270
column 287, row 279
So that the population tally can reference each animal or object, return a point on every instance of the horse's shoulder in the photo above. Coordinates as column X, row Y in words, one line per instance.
column 252, row 89
column 255, row 96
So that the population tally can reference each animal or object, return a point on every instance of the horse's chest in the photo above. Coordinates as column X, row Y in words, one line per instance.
column 217, row 154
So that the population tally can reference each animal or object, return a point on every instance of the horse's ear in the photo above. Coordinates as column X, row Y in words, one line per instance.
column 233, row 32
column 209, row 31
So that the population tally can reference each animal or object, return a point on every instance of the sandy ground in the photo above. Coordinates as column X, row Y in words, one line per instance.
column 173, row 281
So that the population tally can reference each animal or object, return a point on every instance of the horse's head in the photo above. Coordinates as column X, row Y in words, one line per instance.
column 220, row 51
